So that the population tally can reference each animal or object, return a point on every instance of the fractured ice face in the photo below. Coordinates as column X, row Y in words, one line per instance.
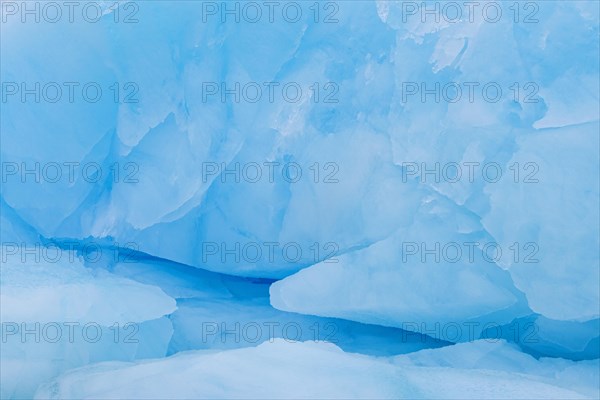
column 154, row 147
column 554, row 215
column 425, row 277
column 166, row 168
column 142, row 173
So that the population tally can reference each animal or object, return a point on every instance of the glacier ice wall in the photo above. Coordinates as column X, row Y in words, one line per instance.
column 437, row 182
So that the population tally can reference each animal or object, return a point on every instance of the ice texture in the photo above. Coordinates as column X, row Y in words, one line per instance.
column 384, row 284
column 374, row 319
column 61, row 315
column 139, row 141
column 318, row 369
column 563, row 201
column 218, row 311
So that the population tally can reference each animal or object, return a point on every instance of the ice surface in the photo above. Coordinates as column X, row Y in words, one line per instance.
column 540, row 336
column 317, row 369
column 561, row 199
column 498, row 355
column 356, row 213
column 137, row 141
column 390, row 283
column 65, row 290
column 13, row 229
column 60, row 315
column 556, row 134
column 218, row 311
